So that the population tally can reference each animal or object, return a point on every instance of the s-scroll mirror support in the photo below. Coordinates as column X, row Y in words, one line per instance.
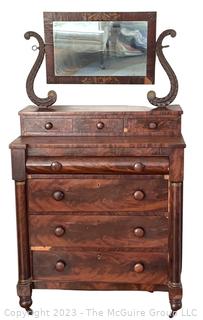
column 170, row 97
column 42, row 103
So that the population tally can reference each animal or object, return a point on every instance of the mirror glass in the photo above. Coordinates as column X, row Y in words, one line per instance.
column 100, row 48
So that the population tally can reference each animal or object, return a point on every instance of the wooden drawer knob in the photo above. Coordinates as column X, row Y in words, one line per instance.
column 138, row 267
column 60, row 266
column 139, row 195
column 100, row 125
column 58, row 195
column 153, row 125
column 139, row 232
column 99, row 256
column 139, row 167
column 56, row 166
column 48, row 125
column 59, row 231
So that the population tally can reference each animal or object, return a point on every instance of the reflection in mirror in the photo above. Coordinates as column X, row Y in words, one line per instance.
column 100, row 48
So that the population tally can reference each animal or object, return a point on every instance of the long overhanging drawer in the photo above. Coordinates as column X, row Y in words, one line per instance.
column 134, row 165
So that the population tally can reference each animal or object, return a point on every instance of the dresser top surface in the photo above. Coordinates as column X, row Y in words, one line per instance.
column 98, row 142
column 94, row 109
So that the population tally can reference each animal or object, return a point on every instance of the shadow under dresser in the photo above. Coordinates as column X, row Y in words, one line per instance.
column 99, row 199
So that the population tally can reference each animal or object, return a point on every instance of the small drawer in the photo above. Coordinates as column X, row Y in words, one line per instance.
column 152, row 126
column 134, row 165
column 98, row 193
column 99, row 231
column 97, row 126
column 123, row 267
column 46, row 126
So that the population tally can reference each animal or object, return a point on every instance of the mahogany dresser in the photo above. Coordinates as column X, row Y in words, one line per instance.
column 99, row 199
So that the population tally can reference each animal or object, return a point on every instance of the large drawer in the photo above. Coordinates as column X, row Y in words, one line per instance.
column 99, row 231
column 129, row 267
column 134, row 165
column 98, row 193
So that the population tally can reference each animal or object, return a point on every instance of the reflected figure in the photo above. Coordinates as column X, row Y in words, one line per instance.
column 128, row 40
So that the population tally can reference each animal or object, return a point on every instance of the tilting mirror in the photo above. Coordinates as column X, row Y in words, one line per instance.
column 100, row 47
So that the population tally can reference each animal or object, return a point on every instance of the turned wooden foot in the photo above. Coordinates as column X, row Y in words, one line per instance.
column 175, row 298
column 29, row 311
column 26, row 302
column 24, row 291
column 172, row 314
column 176, row 304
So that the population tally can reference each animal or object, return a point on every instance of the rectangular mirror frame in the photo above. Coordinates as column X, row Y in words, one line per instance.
column 150, row 17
